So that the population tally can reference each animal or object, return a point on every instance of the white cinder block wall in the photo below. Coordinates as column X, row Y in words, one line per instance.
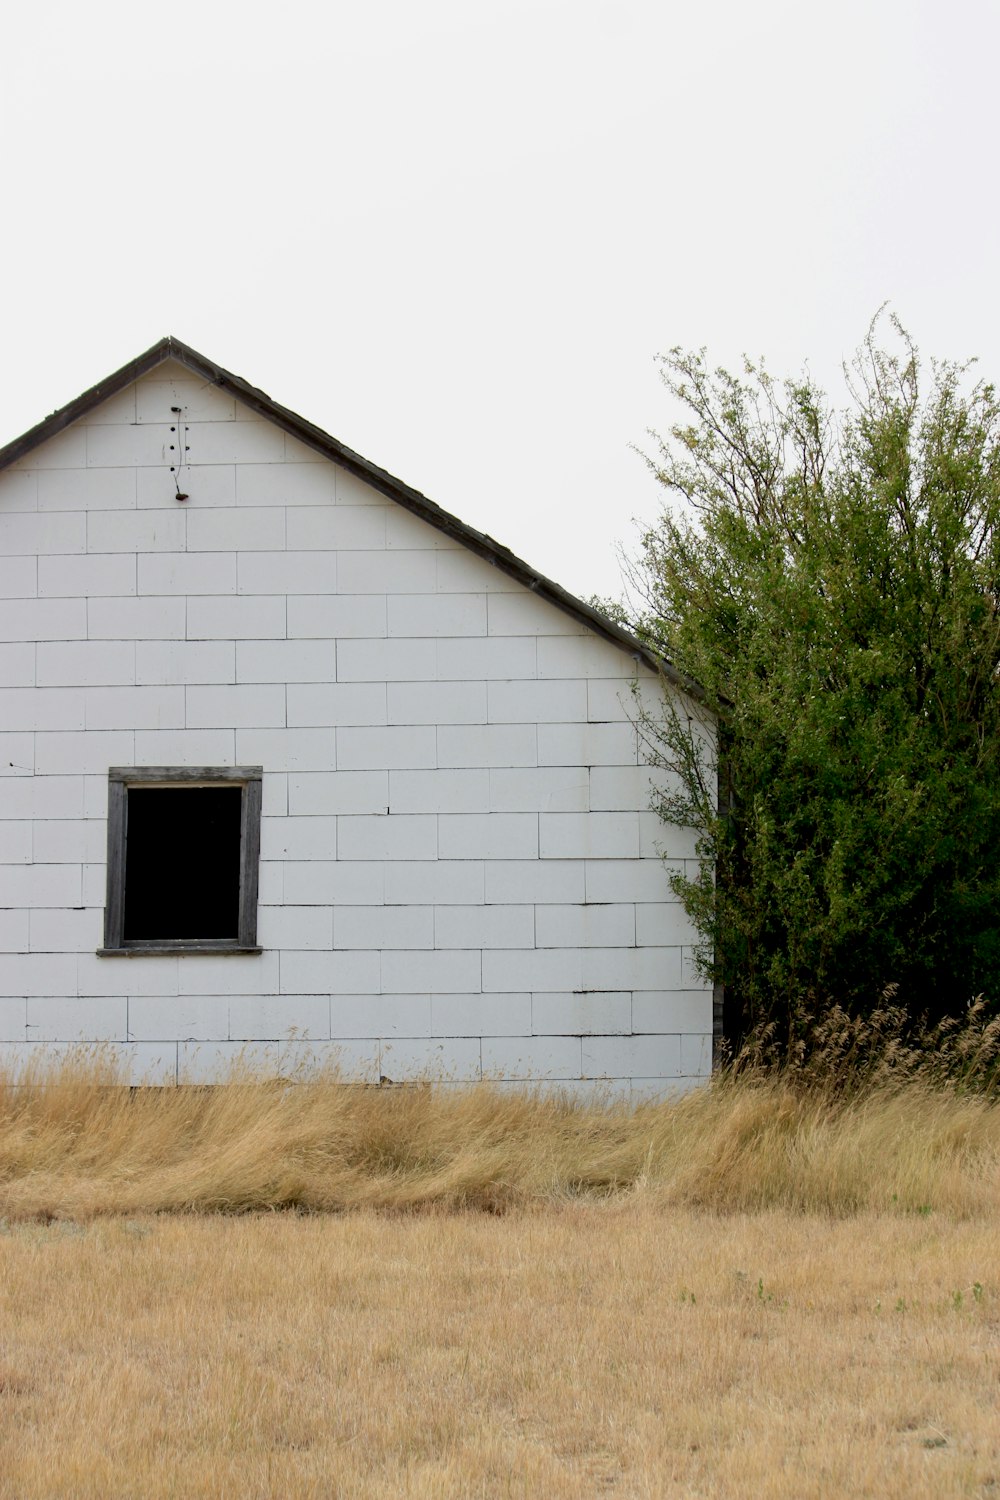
column 459, row 872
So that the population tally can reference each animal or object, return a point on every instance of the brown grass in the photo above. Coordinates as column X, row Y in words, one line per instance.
column 775, row 1287
column 74, row 1144
column 588, row 1350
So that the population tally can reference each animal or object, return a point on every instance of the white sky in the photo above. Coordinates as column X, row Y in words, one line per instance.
column 455, row 234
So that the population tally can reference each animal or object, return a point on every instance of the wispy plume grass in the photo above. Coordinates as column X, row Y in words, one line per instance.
column 863, row 1120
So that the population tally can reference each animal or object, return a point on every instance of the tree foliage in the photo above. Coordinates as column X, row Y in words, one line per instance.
column 831, row 581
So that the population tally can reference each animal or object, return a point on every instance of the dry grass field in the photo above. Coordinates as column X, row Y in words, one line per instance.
column 759, row 1291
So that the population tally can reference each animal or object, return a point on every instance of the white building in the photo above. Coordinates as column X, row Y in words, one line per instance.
column 219, row 626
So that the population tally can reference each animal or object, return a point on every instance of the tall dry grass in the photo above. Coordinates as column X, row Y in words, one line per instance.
column 891, row 1126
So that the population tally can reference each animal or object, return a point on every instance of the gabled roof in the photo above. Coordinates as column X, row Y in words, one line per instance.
column 314, row 437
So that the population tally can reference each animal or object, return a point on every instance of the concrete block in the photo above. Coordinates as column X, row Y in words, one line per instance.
column 188, row 1018
column 15, row 842
column 235, row 619
column 185, row 747
column 85, row 663
column 327, row 883
column 147, row 975
column 135, row 707
column 89, row 751
column 383, row 927
column 187, row 572
column 461, row 572
column 277, row 1017
column 41, row 708
column 201, row 401
column 67, row 450
column 336, row 528
column 530, row 1057
column 234, row 443
column 335, row 703
column 66, row 931
column 380, row 1015
column 19, row 490
column 40, row 885
column 287, row 572
column 177, row 663
column 487, row 745
column 37, row 533
column 587, row 745
column 480, row 1015
column 440, row 882
column 43, row 619
column 295, row 927
column 696, row 1056
column 535, row 970
column 229, row 529
column 663, row 924
column 38, row 974
column 336, row 617
column 283, row 484
column 17, row 664
column 537, row 702
column 411, row 615
column 247, row 706
column 58, row 841
column 19, row 578
column 128, row 620
column 495, row 659
column 227, row 974
column 686, row 1012
column 386, row 661
column 436, row 702
column 400, row 837
column 298, row 838
column 436, row 791
column 386, row 747
column 407, row 972
column 41, row 797
column 539, row 789
column 488, row 836
column 13, row 936
column 86, row 489
column 319, row 793
column 135, row 531
column 206, row 485
column 409, row 531
column 535, row 880
column 455, row 1058
column 631, row 1056
column 588, row 835
column 286, row 661
column 88, row 576
column 94, row 1019
column 484, row 926
column 585, row 926
column 286, row 749
column 582, row 1015
column 628, row 880
column 525, row 614
column 314, row 973
column 13, row 1019
column 402, row 572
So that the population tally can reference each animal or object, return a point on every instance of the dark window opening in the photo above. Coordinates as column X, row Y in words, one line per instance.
column 183, row 850
column 182, row 862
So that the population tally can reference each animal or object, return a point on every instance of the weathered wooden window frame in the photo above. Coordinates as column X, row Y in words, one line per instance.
column 120, row 778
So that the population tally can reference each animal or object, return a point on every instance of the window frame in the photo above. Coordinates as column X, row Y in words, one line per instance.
column 120, row 778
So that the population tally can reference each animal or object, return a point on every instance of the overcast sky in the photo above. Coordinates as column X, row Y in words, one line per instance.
column 456, row 234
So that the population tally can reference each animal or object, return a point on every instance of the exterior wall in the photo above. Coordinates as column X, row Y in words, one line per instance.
column 459, row 874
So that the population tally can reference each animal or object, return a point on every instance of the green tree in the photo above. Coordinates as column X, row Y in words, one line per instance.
column 831, row 581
